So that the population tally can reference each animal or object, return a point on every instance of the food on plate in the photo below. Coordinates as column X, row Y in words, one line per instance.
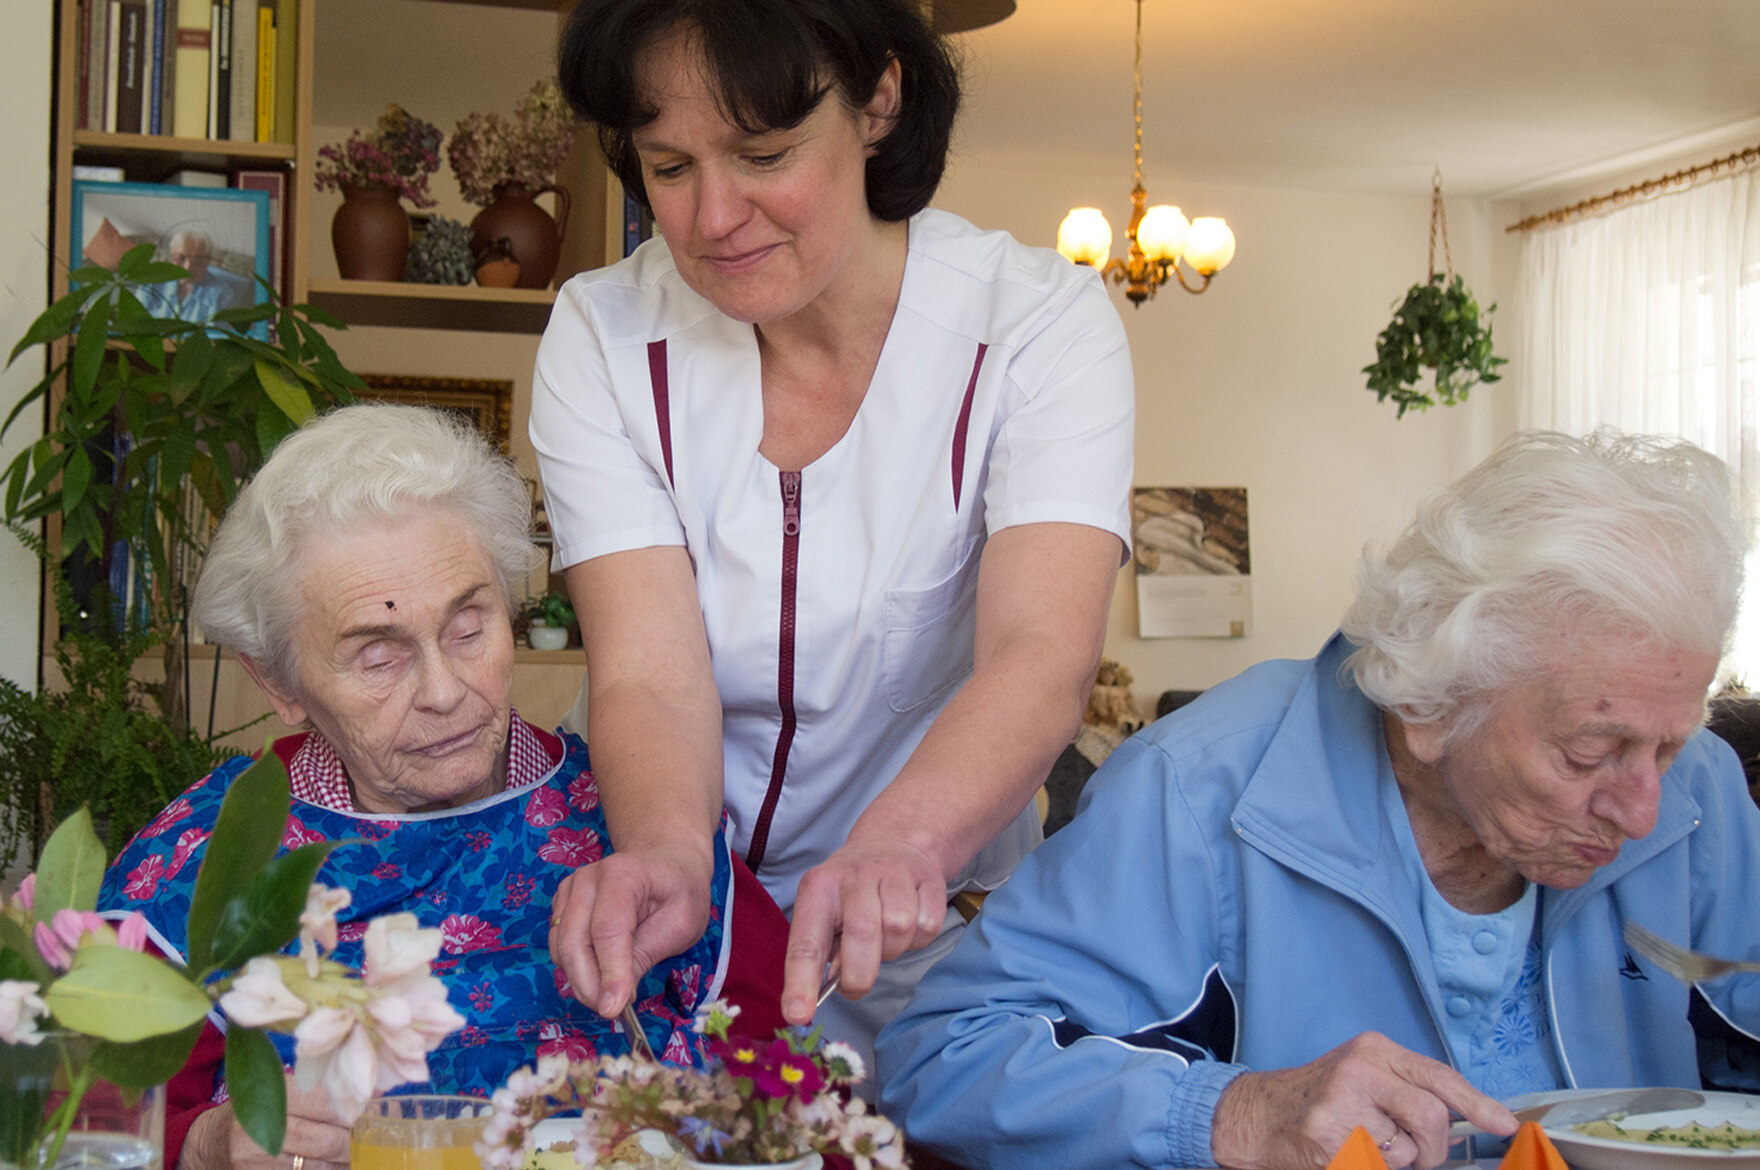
column 647, row 1150
column 1693, row 1135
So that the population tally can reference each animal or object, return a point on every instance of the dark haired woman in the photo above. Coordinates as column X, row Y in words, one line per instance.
column 840, row 487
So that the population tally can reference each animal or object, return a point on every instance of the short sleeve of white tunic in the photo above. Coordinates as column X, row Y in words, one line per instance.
column 1003, row 396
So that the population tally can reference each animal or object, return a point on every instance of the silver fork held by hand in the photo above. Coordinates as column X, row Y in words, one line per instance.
column 1687, row 966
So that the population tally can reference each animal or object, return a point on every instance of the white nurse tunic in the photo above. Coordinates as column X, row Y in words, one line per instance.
column 839, row 600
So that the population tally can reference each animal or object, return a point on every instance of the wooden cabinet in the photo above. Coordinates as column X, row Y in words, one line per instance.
column 594, row 230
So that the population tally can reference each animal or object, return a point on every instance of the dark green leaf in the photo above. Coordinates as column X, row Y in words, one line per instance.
column 71, row 868
column 322, row 317
column 257, row 1085
column 53, row 322
column 246, row 835
column 159, row 272
column 272, row 427
column 285, row 393
column 88, row 351
column 264, row 917
column 75, row 478
column 14, row 941
column 34, row 394
column 145, row 1063
column 135, row 260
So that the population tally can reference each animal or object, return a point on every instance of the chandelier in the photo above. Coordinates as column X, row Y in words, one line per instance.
column 1160, row 236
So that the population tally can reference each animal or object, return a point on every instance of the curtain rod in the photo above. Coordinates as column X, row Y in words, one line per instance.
column 1648, row 187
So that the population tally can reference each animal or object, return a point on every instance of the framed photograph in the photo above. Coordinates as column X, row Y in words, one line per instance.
column 486, row 403
column 220, row 234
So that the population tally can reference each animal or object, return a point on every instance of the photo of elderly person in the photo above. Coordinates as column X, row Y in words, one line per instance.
column 205, row 291
column 839, row 483
column 1388, row 884
column 364, row 578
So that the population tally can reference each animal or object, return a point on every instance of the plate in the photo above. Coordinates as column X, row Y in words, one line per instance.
column 1596, row 1153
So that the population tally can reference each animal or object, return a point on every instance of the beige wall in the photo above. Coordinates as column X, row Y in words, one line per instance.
column 1257, row 384
column 25, row 56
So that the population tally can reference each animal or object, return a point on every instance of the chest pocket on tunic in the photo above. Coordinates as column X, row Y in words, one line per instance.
column 927, row 651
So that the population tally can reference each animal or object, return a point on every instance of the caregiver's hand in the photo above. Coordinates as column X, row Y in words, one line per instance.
column 1297, row 1118
column 612, row 920
column 871, row 900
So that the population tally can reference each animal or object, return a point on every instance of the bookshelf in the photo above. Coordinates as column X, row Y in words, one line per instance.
column 594, row 231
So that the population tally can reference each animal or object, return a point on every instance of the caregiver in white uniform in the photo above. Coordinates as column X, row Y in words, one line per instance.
column 840, row 486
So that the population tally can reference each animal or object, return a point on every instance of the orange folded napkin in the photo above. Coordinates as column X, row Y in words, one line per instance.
column 1359, row 1152
column 1531, row 1149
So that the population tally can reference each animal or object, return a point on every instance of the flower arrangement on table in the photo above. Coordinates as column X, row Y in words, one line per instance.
column 65, row 967
column 488, row 151
column 750, row 1103
column 400, row 153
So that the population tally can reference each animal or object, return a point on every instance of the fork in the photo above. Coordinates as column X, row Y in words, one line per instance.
column 1687, row 966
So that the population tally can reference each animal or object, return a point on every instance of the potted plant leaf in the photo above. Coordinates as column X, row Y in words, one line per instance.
column 550, row 616
column 1439, row 328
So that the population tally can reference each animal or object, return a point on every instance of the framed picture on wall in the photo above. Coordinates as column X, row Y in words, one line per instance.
column 219, row 234
column 486, row 403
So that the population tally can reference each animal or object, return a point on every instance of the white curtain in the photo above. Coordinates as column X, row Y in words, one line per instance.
column 1647, row 318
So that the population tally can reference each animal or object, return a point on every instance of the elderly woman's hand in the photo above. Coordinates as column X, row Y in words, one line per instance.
column 1296, row 1118
column 315, row 1136
column 612, row 920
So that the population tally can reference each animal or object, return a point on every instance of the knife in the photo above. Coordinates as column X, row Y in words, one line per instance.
column 1595, row 1107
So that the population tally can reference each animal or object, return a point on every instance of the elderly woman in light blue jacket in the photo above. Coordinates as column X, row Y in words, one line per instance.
column 1387, row 885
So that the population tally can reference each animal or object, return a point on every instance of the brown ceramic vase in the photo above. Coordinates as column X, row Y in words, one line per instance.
column 370, row 233
column 536, row 238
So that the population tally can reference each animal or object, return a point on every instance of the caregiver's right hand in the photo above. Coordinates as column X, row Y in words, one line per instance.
column 612, row 920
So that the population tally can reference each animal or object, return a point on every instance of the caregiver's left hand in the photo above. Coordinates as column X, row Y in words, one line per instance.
column 867, row 902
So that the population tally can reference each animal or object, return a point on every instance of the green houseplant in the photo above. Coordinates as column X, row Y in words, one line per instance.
column 550, row 616
column 154, row 413
column 1438, row 326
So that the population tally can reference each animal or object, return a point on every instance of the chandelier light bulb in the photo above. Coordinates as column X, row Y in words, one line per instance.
column 1085, row 237
column 1209, row 245
column 1163, row 233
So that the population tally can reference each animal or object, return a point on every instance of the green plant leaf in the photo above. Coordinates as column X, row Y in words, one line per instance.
column 285, row 393
column 16, row 942
column 257, row 1085
column 71, row 868
column 53, row 322
column 88, row 351
column 114, row 993
column 75, row 478
column 145, row 1063
column 264, row 916
column 246, row 835
column 135, row 260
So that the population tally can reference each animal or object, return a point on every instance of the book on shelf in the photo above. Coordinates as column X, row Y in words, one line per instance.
column 153, row 120
column 193, row 37
column 93, row 174
column 219, row 68
column 275, row 184
column 194, row 178
column 242, row 113
column 131, row 59
column 286, row 48
column 267, row 27
column 112, row 55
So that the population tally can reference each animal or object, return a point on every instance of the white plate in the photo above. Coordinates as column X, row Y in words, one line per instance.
column 1596, row 1153
column 563, row 1129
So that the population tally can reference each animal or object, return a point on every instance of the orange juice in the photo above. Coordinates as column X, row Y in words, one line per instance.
column 428, row 1139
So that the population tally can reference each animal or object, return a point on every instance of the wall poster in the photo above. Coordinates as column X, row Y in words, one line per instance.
column 1194, row 574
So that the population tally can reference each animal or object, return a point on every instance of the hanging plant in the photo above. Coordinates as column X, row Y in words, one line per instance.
column 1437, row 327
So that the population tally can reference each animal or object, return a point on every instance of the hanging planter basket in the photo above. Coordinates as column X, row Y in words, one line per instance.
column 1438, row 328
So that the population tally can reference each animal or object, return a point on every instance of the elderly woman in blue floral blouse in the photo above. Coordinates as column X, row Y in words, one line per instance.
column 365, row 579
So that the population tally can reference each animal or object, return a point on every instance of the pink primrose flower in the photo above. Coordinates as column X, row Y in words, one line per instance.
column 785, row 1073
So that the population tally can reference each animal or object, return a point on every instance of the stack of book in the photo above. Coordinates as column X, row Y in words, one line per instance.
column 220, row 69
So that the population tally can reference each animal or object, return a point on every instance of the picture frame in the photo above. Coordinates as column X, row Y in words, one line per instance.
column 221, row 234
column 486, row 402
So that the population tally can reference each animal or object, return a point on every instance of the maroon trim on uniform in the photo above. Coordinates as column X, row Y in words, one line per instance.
column 662, row 402
column 791, row 542
column 959, row 428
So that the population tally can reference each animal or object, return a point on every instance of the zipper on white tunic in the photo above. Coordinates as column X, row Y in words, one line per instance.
column 791, row 540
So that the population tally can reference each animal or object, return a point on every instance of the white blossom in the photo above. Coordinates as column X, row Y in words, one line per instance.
column 333, row 1048
column 20, row 1009
column 395, row 949
column 260, row 997
column 317, row 924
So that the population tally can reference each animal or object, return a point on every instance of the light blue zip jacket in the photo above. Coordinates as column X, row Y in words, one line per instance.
column 1231, row 898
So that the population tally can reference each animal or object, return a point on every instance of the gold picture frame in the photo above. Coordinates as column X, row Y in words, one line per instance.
column 486, row 402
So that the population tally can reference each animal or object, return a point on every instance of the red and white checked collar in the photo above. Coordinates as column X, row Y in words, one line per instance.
column 316, row 775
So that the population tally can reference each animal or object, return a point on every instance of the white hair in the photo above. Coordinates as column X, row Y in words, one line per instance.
column 357, row 464
column 1614, row 532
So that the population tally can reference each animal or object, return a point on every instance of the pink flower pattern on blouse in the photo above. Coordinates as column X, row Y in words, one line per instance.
column 571, row 847
column 467, row 932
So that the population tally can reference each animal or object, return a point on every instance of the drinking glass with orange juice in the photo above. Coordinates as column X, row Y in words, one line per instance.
column 418, row 1132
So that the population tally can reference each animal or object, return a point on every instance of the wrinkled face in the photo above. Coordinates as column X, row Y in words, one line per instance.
column 404, row 661
column 1567, row 768
column 193, row 255
column 760, row 225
